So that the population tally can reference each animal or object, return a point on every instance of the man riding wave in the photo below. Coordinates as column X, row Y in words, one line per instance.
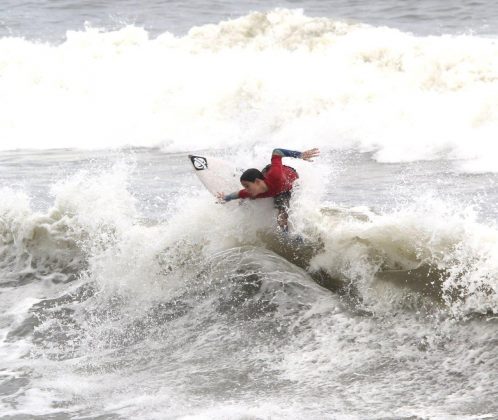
column 276, row 180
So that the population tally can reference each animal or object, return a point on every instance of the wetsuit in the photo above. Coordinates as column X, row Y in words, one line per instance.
column 279, row 179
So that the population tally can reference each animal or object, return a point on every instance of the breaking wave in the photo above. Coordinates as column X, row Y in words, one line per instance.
column 277, row 77
column 95, row 232
column 206, row 302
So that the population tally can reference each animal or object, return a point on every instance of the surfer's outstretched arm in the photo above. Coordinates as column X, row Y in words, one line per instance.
column 257, row 184
column 306, row 155
column 222, row 198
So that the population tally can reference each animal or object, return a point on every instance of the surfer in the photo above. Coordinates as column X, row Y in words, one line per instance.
column 275, row 180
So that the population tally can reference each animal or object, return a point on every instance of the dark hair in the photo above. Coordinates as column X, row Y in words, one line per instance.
column 251, row 175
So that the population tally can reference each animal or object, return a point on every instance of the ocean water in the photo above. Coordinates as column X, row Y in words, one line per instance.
column 127, row 292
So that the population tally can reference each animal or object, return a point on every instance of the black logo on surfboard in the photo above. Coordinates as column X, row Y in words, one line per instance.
column 200, row 163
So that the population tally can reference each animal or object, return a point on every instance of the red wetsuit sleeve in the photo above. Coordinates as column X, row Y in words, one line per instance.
column 275, row 174
column 276, row 160
column 276, row 178
column 243, row 194
column 279, row 178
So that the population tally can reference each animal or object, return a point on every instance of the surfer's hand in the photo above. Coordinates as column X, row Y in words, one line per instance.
column 221, row 198
column 310, row 154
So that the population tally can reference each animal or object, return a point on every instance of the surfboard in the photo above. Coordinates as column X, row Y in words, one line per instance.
column 215, row 174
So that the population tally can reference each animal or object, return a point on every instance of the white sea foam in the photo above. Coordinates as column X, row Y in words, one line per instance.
column 460, row 250
column 95, row 221
column 278, row 76
column 167, row 299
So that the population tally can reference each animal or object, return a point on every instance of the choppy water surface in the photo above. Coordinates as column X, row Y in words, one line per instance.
column 129, row 292
column 48, row 20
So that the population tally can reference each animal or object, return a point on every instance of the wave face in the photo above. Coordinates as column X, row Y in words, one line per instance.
column 207, row 313
column 278, row 77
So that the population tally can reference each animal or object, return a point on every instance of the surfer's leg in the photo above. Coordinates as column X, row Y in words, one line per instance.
column 282, row 220
column 282, row 205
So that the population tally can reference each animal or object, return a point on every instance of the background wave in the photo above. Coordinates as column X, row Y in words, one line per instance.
column 277, row 77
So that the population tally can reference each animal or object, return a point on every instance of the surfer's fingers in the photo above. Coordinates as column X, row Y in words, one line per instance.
column 221, row 198
column 309, row 154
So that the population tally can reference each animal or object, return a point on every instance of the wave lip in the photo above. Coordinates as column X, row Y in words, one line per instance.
column 393, row 260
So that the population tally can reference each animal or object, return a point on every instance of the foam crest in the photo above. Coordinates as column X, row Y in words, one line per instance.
column 278, row 29
column 430, row 247
column 34, row 246
column 96, row 199
column 91, row 212
column 264, row 77
column 14, row 211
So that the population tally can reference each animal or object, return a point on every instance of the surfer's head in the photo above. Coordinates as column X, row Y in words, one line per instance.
column 253, row 181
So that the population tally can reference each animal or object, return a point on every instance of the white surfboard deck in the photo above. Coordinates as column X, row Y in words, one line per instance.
column 215, row 174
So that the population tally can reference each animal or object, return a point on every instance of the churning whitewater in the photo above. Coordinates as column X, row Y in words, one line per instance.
column 126, row 291
column 265, row 77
